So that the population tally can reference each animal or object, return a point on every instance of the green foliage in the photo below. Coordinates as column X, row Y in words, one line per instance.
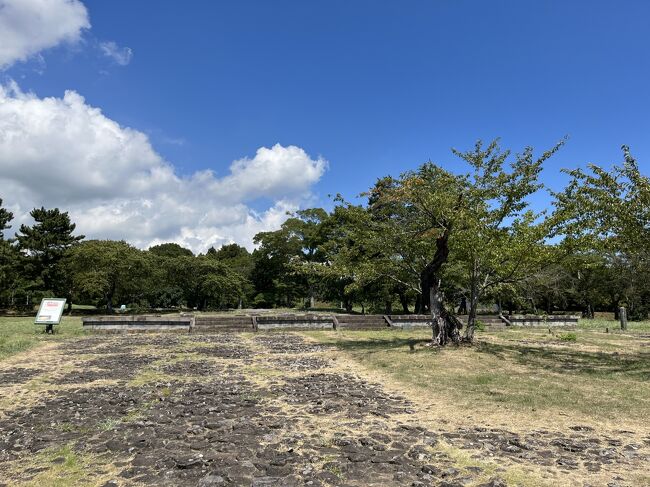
column 493, row 238
column 11, row 281
column 378, row 256
column 44, row 244
column 5, row 217
column 240, row 260
column 568, row 337
column 287, row 261
column 607, row 213
column 106, row 270
column 170, row 250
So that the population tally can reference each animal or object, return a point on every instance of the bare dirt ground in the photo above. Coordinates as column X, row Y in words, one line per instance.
column 262, row 410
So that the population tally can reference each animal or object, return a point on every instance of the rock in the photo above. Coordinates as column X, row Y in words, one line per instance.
column 143, row 461
column 431, row 470
column 188, row 462
column 210, row 480
column 267, row 482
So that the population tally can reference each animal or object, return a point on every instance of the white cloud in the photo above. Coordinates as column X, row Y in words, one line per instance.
column 30, row 26
column 63, row 152
column 121, row 55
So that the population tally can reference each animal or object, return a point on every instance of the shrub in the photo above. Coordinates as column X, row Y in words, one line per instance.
column 568, row 337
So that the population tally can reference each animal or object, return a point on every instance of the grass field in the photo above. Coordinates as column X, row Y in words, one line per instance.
column 582, row 373
column 18, row 334
column 556, row 387
column 517, row 376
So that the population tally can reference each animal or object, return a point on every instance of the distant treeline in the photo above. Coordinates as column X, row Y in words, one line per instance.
column 428, row 241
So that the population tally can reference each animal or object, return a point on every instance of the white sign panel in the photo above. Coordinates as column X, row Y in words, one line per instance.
column 50, row 311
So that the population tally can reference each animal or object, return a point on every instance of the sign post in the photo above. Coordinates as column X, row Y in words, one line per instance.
column 49, row 313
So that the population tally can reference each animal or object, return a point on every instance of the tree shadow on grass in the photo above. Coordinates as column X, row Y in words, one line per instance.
column 564, row 361
column 382, row 344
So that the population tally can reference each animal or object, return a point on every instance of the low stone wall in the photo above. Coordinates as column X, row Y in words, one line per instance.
column 138, row 323
column 212, row 324
column 543, row 320
column 410, row 321
column 295, row 322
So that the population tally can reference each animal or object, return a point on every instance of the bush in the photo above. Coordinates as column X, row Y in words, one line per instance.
column 568, row 337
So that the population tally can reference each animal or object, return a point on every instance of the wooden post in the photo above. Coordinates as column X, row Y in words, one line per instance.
column 622, row 316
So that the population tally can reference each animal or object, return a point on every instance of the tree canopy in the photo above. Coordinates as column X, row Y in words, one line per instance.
column 432, row 240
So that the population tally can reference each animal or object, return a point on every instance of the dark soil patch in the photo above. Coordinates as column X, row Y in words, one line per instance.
column 120, row 366
column 547, row 448
column 225, row 351
column 193, row 368
column 82, row 377
column 337, row 393
column 214, row 338
column 17, row 375
column 302, row 363
column 282, row 343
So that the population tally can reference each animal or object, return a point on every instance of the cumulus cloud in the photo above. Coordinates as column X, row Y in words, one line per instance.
column 121, row 55
column 63, row 152
column 30, row 26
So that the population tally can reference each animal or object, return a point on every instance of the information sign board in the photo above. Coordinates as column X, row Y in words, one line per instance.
column 50, row 311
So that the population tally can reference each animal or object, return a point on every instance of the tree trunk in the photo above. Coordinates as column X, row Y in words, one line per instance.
column 389, row 307
column 418, row 305
column 445, row 326
column 312, row 301
column 404, row 302
column 471, row 316
column 462, row 308
column 622, row 313
column 616, row 310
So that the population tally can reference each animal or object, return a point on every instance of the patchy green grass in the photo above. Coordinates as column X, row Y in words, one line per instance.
column 62, row 467
column 596, row 376
column 18, row 334
column 614, row 326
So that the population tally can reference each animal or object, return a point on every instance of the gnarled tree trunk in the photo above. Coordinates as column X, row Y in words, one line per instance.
column 446, row 327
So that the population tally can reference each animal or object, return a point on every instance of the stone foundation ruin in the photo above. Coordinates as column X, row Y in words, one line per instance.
column 189, row 323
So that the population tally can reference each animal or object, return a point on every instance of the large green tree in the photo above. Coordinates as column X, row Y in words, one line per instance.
column 283, row 262
column 170, row 250
column 607, row 212
column 207, row 282
column 107, row 270
column 10, row 263
column 240, row 260
column 480, row 218
column 44, row 244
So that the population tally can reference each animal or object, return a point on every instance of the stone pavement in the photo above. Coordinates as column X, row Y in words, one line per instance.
column 253, row 410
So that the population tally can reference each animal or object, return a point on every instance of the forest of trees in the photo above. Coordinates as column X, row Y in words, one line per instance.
column 430, row 241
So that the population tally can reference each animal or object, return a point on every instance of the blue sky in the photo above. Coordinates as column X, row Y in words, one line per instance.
column 374, row 88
